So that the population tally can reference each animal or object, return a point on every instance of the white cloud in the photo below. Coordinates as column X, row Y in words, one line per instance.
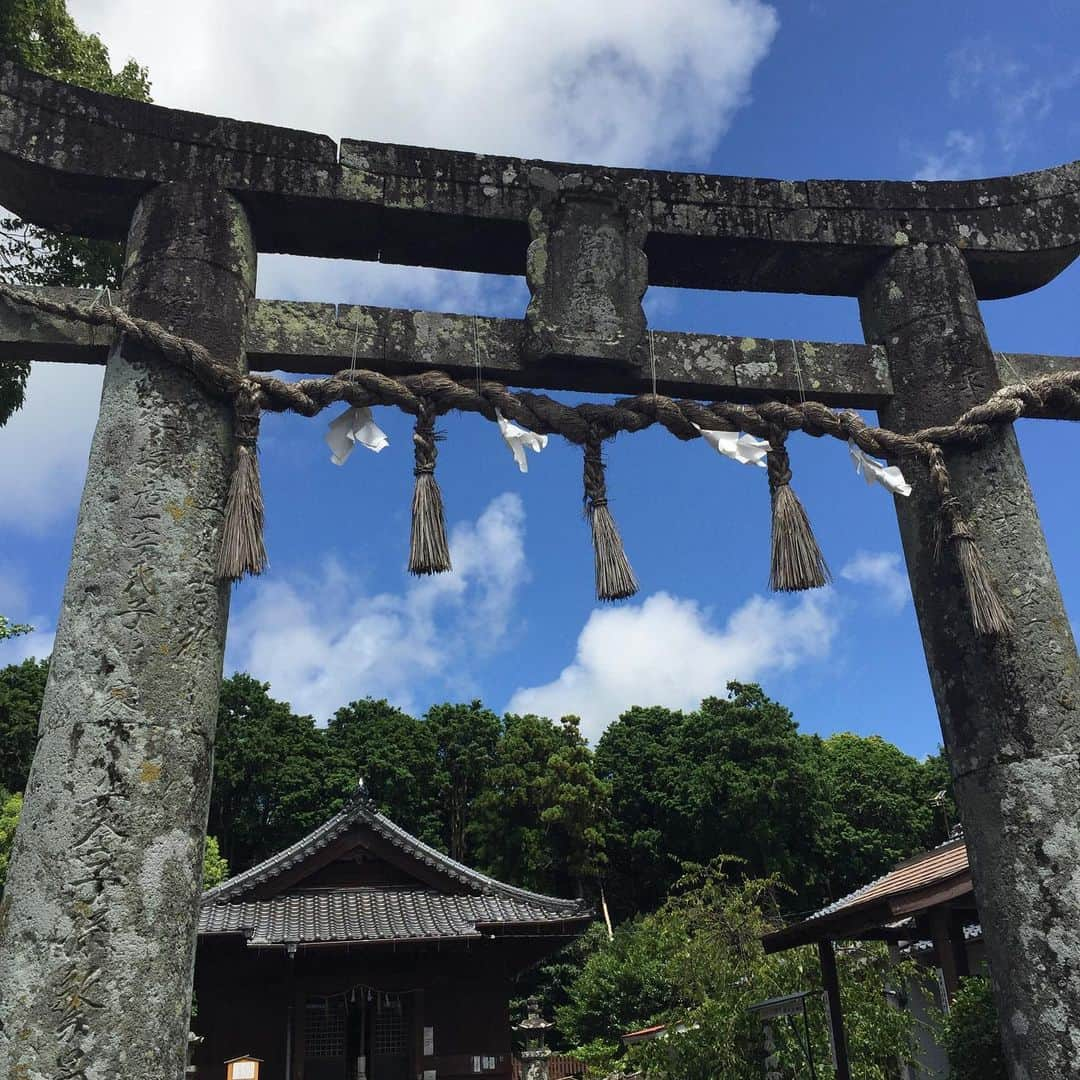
column 1019, row 96
column 622, row 84
column 640, row 83
column 665, row 651
column 323, row 642
column 882, row 571
column 44, row 446
column 960, row 158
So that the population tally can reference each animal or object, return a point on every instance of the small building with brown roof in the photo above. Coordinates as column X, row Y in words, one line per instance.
column 924, row 906
column 361, row 953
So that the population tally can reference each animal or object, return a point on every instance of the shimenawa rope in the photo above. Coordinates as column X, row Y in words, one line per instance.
column 796, row 560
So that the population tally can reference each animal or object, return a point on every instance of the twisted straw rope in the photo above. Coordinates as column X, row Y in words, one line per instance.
column 1053, row 396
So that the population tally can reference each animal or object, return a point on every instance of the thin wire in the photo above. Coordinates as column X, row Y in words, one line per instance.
column 652, row 360
column 798, row 371
column 476, row 352
column 355, row 340
column 106, row 292
column 1008, row 364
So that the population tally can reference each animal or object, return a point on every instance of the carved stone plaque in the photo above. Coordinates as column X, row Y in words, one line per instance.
column 586, row 268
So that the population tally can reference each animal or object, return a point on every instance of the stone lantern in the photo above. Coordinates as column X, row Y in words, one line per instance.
column 534, row 1057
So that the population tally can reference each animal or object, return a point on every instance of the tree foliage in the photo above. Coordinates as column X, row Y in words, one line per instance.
column 272, row 780
column 880, row 806
column 734, row 776
column 9, row 629
column 22, row 688
column 215, row 868
column 972, row 1036
column 396, row 757
column 465, row 740
column 697, row 965
column 41, row 35
column 10, row 808
column 543, row 814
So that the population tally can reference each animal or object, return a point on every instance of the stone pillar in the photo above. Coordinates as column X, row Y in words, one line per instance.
column 97, row 926
column 534, row 1064
column 1009, row 708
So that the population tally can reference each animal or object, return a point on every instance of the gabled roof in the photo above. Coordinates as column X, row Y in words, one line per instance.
column 464, row 903
column 923, row 881
column 372, row 915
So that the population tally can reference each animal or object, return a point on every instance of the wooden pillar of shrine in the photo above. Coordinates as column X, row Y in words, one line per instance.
column 97, row 929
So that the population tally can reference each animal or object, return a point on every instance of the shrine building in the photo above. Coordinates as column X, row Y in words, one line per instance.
column 361, row 953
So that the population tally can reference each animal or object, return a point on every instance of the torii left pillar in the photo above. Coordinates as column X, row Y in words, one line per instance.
column 98, row 923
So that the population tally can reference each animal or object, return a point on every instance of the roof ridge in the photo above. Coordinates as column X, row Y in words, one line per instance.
column 848, row 900
column 361, row 809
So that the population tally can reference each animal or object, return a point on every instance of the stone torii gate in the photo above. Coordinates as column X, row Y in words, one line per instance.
column 97, row 927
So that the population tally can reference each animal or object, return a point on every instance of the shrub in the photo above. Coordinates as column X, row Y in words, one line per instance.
column 972, row 1038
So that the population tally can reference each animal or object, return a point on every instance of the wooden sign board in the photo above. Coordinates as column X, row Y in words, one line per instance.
column 243, row 1068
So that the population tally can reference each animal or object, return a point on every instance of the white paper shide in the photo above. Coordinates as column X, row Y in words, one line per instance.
column 518, row 439
column 740, row 447
column 354, row 427
column 877, row 472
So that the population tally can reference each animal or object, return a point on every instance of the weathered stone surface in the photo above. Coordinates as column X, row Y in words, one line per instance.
column 585, row 269
column 1010, row 708
column 97, row 928
column 316, row 339
column 78, row 161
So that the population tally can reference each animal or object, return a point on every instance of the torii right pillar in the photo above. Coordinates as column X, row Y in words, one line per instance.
column 1009, row 707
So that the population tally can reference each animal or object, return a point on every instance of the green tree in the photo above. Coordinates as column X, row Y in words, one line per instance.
column 273, row 776
column 10, row 808
column 734, row 776
column 697, row 965
column 22, row 688
column 541, row 817
column 215, row 868
column 9, row 629
column 465, row 740
column 41, row 35
column 881, row 809
column 396, row 756
column 972, row 1036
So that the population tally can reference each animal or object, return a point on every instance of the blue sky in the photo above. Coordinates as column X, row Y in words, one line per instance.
column 821, row 89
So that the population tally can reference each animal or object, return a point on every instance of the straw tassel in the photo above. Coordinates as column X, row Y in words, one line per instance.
column 796, row 563
column 614, row 577
column 429, row 550
column 988, row 614
column 243, row 550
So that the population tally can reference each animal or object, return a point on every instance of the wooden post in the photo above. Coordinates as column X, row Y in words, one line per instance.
column 1009, row 708
column 943, row 950
column 98, row 922
column 830, row 979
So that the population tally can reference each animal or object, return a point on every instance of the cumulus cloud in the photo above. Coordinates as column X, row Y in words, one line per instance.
column 323, row 641
column 45, row 446
column 554, row 78
column 882, row 571
column 644, row 84
column 666, row 651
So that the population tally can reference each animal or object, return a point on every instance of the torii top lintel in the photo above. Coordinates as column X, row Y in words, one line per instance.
column 78, row 161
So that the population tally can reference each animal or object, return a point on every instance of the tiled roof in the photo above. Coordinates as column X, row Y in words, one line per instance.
column 946, row 861
column 361, row 812
column 472, row 901
column 371, row 915
column 892, row 896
